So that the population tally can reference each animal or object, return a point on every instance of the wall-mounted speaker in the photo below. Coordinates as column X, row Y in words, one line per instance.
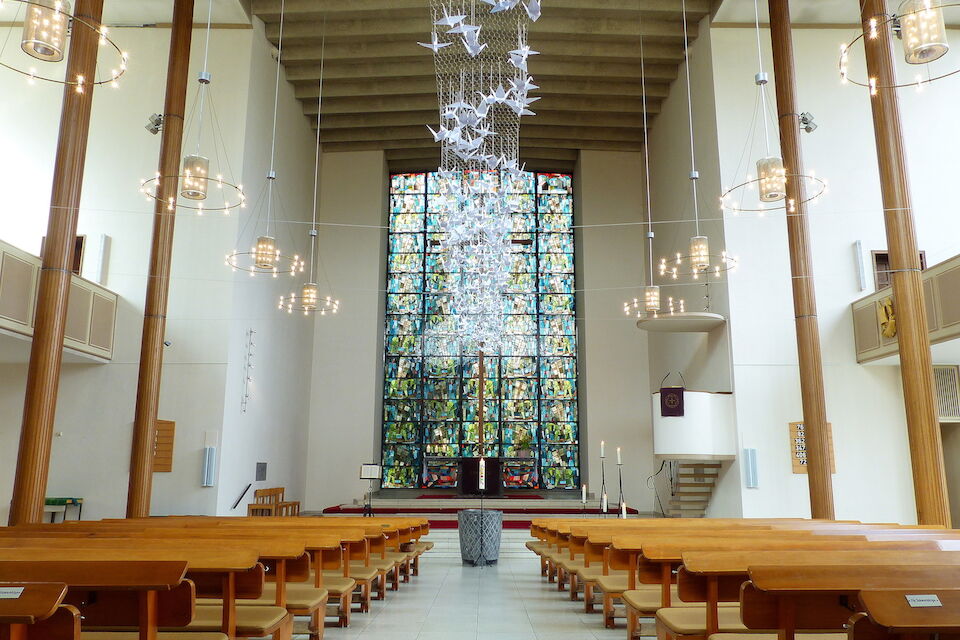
column 750, row 468
column 209, row 466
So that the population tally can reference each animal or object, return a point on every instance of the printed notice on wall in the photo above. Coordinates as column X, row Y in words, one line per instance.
column 10, row 593
column 924, row 601
column 798, row 447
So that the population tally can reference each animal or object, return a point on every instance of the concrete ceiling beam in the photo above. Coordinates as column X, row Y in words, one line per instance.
column 431, row 117
column 540, row 67
column 372, row 105
column 525, row 143
column 414, row 86
column 529, row 132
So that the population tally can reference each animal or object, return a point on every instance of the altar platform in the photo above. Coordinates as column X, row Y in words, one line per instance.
column 441, row 509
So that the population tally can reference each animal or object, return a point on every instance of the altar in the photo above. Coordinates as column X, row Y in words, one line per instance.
column 463, row 474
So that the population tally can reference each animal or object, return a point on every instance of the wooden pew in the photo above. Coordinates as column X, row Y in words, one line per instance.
column 787, row 598
column 888, row 615
column 715, row 577
column 37, row 612
column 142, row 594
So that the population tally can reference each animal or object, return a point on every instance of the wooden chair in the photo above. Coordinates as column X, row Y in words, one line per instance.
column 266, row 502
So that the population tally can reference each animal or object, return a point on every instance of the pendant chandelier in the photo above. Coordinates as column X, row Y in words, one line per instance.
column 767, row 189
column 308, row 300
column 200, row 190
column 698, row 263
column 649, row 305
column 920, row 25
column 483, row 86
column 44, row 37
column 265, row 257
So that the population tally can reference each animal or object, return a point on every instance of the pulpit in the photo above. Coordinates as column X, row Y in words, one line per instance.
column 469, row 477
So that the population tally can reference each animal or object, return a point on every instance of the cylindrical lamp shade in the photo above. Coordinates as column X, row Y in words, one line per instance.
column 773, row 179
column 45, row 29
column 924, row 34
column 196, row 171
column 308, row 296
column 266, row 253
column 651, row 298
column 699, row 252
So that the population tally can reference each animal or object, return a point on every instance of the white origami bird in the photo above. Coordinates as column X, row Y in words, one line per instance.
column 533, row 9
column 522, row 86
column 439, row 135
column 504, row 5
column 464, row 28
column 436, row 45
column 474, row 48
column 449, row 20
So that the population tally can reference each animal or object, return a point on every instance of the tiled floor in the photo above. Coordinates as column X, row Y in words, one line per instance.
column 450, row 601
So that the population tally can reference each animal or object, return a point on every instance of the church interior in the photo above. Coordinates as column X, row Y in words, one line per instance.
column 479, row 319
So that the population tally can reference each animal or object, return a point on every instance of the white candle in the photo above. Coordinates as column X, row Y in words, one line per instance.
column 623, row 509
column 583, row 494
column 603, row 505
column 602, row 449
column 619, row 460
column 483, row 475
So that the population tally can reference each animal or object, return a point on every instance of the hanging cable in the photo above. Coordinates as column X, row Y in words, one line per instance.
column 316, row 168
column 761, row 76
column 694, row 176
column 646, row 156
column 204, row 75
column 272, row 176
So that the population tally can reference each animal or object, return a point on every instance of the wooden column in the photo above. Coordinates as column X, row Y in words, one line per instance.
column 819, row 466
column 46, row 351
column 916, row 364
column 158, row 281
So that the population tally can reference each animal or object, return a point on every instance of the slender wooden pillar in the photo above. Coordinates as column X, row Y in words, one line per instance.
column 158, row 282
column 46, row 352
column 916, row 364
column 819, row 467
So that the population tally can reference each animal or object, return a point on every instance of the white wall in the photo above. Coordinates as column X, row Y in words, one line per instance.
column 348, row 347
column 864, row 403
column 207, row 309
column 703, row 359
column 274, row 427
column 614, row 403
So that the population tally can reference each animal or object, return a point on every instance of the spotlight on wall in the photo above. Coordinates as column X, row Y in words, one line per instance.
column 154, row 124
column 806, row 120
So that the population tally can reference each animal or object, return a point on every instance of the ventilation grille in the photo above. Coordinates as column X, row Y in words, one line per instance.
column 947, row 379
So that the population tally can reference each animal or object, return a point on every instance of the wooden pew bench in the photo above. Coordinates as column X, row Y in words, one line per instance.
column 888, row 615
column 34, row 611
column 790, row 598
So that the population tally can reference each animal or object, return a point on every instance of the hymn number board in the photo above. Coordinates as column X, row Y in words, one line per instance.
column 798, row 447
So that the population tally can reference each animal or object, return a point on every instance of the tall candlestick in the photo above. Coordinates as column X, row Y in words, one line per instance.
column 602, row 449
column 619, row 459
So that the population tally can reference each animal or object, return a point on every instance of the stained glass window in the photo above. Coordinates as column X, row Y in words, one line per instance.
column 430, row 401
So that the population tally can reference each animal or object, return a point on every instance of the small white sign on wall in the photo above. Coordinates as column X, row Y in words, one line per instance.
column 10, row 593
column 924, row 601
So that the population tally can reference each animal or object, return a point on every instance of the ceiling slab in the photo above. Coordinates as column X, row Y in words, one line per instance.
column 380, row 92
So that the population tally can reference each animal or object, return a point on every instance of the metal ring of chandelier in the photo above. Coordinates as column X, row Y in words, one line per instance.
column 250, row 262
column 873, row 86
column 79, row 82
column 308, row 303
column 681, row 265
column 820, row 183
column 150, row 186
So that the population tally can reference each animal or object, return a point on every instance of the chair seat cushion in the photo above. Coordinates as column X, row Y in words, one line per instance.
column 360, row 572
column 378, row 563
column 301, row 596
column 535, row 545
column 594, row 571
column 647, row 597
column 399, row 557
column 613, row 583
column 337, row 584
column 569, row 565
column 135, row 635
column 773, row 636
column 692, row 620
column 252, row 622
